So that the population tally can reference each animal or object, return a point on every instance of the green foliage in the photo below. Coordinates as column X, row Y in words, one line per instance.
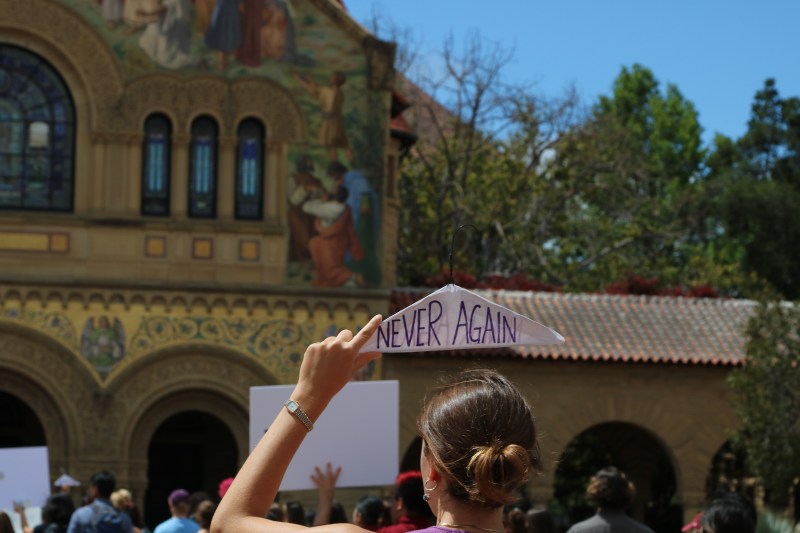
column 582, row 200
column 771, row 523
column 636, row 167
column 757, row 184
column 767, row 398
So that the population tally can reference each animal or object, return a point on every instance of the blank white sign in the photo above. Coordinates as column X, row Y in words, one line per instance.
column 358, row 431
column 24, row 478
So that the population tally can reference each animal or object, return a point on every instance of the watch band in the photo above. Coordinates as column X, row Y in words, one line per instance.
column 294, row 408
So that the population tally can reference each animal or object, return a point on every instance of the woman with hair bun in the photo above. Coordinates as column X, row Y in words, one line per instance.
column 478, row 435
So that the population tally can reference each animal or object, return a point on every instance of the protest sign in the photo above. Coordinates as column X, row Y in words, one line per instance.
column 25, row 479
column 358, row 432
column 455, row 318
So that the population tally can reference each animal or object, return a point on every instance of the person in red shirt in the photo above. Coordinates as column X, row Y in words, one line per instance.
column 409, row 511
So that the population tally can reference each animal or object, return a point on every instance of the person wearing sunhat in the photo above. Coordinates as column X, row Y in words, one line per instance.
column 179, row 501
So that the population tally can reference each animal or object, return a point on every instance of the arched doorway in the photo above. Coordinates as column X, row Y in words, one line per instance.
column 21, row 426
column 729, row 473
column 190, row 450
column 633, row 450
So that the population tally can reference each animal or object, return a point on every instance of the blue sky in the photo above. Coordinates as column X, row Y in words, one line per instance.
column 718, row 52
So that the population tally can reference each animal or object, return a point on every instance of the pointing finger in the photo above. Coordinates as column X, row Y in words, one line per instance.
column 366, row 332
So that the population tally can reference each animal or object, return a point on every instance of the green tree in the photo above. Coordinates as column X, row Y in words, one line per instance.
column 767, row 398
column 758, row 186
column 480, row 149
column 635, row 169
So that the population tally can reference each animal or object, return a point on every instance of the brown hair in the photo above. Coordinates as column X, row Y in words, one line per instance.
column 204, row 513
column 5, row 523
column 479, row 432
column 610, row 489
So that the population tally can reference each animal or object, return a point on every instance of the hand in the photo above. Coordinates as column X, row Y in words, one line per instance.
column 19, row 508
column 328, row 365
column 326, row 481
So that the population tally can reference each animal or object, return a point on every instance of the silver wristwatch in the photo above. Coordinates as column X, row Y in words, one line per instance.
column 294, row 408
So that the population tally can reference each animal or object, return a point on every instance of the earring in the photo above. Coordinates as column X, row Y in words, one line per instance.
column 426, row 497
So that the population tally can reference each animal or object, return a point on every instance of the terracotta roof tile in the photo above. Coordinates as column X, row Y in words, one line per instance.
column 624, row 328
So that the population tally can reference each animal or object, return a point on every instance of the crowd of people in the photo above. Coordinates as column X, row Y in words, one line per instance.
column 113, row 511
column 479, row 448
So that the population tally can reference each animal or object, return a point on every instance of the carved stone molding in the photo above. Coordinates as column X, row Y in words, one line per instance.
column 78, row 49
column 262, row 300
column 272, row 104
column 180, row 98
column 163, row 384
column 51, row 381
column 183, row 99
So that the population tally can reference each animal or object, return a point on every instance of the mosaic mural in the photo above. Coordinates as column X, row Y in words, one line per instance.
column 336, row 174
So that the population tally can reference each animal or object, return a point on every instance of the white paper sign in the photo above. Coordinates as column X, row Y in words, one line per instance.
column 24, row 478
column 455, row 318
column 359, row 431
column 33, row 515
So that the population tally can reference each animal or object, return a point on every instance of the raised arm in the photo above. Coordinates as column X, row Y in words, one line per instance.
column 326, row 486
column 327, row 367
column 23, row 520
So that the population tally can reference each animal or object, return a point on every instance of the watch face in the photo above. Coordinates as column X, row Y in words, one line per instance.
column 291, row 406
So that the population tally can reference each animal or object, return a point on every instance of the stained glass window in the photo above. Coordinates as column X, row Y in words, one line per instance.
column 155, row 165
column 37, row 131
column 250, row 170
column 203, row 169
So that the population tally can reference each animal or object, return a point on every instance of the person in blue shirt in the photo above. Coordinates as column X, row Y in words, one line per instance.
column 179, row 502
column 100, row 516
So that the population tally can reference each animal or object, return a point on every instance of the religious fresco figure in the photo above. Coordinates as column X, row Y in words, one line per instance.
column 167, row 40
column 331, row 101
column 303, row 186
column 225, row 31
column 135, row 16
column 336, row 236
column 364, row 205
column 103, row 342
column 249, row 53
column 203, row 10
column 112, row 12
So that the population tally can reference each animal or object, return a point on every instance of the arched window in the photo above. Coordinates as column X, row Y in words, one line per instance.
column 156, row 165
column 37, row 132
column 203, row 169
column 250, row 170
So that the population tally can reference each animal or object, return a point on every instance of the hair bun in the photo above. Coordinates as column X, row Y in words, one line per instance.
column 498, row 470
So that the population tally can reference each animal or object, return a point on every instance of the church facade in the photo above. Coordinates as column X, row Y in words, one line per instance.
column 191, row 192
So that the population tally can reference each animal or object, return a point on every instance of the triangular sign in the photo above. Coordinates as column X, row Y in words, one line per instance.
column 454, row 318
column 67, row 481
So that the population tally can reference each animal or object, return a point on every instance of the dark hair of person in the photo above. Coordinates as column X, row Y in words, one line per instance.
column 196, row 499
column 409, row 489
column 338, row 514
column 730, row 513
column 105, row 483
column 371, row 510
column 295, row 514
column 58, row 509
column 335, row 167
column 204, row 513
column 342, row 194
column 5, row 523
column 276, row 512
column 514, row 520
column 540, row 521
column 479, row 433
column 610, row 489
